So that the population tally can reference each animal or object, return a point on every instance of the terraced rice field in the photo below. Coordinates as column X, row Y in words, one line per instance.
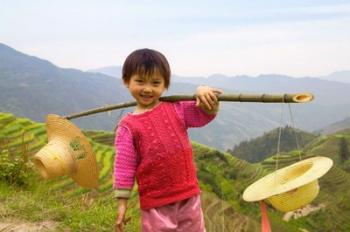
column 18, row 134
column 220, row 216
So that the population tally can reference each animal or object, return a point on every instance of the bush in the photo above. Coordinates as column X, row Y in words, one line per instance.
column 14, row 169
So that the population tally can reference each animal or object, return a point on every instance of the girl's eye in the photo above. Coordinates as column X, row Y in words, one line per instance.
column 156, row 83
column 139, row 81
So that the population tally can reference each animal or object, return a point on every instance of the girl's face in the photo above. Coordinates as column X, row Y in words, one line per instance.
column 146, row 90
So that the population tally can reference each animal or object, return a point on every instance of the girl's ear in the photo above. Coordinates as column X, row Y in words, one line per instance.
column 126, row 84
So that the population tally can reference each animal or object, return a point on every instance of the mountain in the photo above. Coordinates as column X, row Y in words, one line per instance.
column 326, row 92
column 336, row 127
column 113, row 71
column 260, row 148
column 331, row 103
column 327, row 89
column 33, row 87
column 340, row 76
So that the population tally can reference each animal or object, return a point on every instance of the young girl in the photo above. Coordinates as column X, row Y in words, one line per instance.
column 152, row 145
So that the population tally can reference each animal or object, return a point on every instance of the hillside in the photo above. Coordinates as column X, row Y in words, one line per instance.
column 333, row 146
column 336, row 127
column 32, row 87
column 334, row 186
column 260, row 148
column 223, row 179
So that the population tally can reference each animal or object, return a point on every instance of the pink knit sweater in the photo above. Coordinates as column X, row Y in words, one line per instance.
column 126, row 161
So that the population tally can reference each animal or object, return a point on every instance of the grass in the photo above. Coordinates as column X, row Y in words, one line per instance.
column 86, row 212
column 59, row 200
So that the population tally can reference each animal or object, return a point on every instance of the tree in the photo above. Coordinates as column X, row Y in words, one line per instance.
column 343, row 150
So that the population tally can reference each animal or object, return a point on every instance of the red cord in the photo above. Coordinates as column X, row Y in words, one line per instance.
column 265, row 224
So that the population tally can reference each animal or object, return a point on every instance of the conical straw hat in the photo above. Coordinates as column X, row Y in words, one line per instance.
column 68, row 152
column 291, row 187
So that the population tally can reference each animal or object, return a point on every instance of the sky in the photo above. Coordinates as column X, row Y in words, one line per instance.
column 199, row 38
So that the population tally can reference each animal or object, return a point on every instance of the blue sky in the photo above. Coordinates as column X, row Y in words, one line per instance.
column 199, row 38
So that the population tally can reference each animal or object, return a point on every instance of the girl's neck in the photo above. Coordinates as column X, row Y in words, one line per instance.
column 141, row 109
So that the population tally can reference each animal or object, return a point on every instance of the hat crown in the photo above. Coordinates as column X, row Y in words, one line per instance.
column 290, row 183
column 53, row 160
column 284, row 176
column 68, row 152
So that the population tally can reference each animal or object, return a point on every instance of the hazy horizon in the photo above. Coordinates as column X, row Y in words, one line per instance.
column 212, row 74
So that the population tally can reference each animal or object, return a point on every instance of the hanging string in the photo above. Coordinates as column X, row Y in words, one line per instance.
column 222, row 209
column 279, row 138
column 294, row 130
column 121, row 113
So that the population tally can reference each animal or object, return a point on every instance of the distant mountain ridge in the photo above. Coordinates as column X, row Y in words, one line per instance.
column 340, row 76
column 33, row 87
column 331, row 103
column 274, row 83
column 113, row 71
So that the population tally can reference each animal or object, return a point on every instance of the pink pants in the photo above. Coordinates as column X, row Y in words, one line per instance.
column 184, row 216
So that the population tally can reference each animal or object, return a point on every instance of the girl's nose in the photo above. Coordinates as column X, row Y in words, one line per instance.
column 147, row 89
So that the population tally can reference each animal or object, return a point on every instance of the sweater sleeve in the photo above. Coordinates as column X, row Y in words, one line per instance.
column 192, row 115
column 125, row 163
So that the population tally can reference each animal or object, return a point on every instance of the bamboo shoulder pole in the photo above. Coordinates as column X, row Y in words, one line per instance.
column 264, row 98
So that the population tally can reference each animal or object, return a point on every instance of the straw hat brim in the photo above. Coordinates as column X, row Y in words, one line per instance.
column 86, row 171
column 288, row 178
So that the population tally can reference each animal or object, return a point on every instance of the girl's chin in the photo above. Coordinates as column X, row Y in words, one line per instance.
column 147, row 104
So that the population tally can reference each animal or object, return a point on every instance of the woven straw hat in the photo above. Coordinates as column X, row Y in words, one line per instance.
column 68, row 152
column 291, row 187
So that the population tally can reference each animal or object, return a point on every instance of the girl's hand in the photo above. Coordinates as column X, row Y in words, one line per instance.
column 206, row 98
column 120, row 220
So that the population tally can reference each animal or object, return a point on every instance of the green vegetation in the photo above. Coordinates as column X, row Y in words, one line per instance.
column 343, row 150
column 223, row 178
column 258, row 149
column 14, row 169
column 103, row 137
column 25, row 195
column 13, row 152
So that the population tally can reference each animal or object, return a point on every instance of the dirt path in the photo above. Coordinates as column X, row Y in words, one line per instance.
column 21, row 226
column 10, row 223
